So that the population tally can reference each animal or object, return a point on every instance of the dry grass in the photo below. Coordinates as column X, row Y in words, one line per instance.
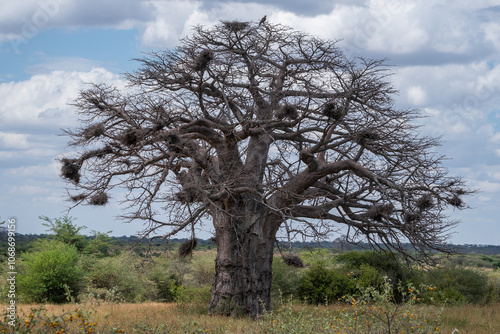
column 145, row 317
column 472, row 319
column 188, row 318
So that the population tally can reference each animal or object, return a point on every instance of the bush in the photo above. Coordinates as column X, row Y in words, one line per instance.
column 460, row 285
column 286, row 279
column 168, row 285
column 105, row 274
column 202, row 269
column 385, row 264
column 66, row 231
column 368, row 276
column 321, row 285
column 47, row 273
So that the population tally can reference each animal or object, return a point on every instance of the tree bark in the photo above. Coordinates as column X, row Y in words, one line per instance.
column 245, row 244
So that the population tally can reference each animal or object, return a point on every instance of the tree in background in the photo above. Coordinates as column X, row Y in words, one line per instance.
column 46, row 273
column 64, row 230
column 262, row 128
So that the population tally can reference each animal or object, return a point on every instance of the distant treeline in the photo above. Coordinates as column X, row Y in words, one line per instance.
column 140, row 246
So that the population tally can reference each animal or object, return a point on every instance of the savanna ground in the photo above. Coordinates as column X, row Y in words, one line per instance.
column 192, row 318
column 334, row 293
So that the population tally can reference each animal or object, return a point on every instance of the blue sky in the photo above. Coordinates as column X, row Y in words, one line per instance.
column 446, row 58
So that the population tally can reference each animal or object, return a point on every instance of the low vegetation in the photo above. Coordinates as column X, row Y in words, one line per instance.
column 86, row 285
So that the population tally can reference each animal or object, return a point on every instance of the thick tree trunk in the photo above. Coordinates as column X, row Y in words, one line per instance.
column 245, row 243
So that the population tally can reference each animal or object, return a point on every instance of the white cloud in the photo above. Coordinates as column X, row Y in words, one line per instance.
column 50, row 170
column 13, row 140
column 448, row 56
column 416, row 95
column 44, row 98
column 457, row 97
column 168, row 23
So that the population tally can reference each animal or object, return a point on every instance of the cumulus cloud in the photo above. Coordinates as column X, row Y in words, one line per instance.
column 13, row 140
column 446, row 56
column 43, row 99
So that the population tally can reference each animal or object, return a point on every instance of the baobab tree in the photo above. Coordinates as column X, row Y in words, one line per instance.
column 258, row 128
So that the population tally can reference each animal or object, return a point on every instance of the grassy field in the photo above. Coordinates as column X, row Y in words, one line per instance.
column 288, row 318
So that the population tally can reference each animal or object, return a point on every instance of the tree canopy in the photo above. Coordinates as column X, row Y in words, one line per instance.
column 261, row 128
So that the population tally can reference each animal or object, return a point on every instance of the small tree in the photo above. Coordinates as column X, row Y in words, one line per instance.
column 66, row 231
column 261, row 127
column 47, row 272
column 99, row 243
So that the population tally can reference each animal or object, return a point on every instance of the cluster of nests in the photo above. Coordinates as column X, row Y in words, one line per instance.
column 71, row 171
column 378, row 212
column 98, row 199
column 332, row 110
column 133, row 136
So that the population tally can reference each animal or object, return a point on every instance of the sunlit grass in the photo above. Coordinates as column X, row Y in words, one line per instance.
column 289, row 317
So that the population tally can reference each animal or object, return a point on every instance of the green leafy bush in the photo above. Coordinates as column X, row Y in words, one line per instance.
column 167, row 284
column 45, row 272
column 64, row 230
column 385, row 264
column 368, row 276
column 321, row 285
column 202, row 269
column 460, row 285
column 118, row 272
column 286, row 279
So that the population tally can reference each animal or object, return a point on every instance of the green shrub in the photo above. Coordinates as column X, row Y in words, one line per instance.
column 202, row 269
column 167, row 284
column 496, row 265
column 66, row 231
column 286, row 279
column 118, row 272
column 460, row 285
column 321, row 285
column 368, row 276
column 44, row 273
column 383, row 262
column 191, row 294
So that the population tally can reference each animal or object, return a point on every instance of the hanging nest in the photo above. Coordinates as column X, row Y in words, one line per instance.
column 70, row 170
column 366, row 135
column 130, row 137
column 78, row 198
column 456, row 201
column 332, row 110
column 412, row 217
column 187, row 248
column 94, row 131
column 99, row 199
column 235, row 26
column 292, row 260
column 425, row 202
column 173, row 141
column 160, row 124
column 288, row 111
column 203, row 60
column 189, row 195
column 379, row 211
